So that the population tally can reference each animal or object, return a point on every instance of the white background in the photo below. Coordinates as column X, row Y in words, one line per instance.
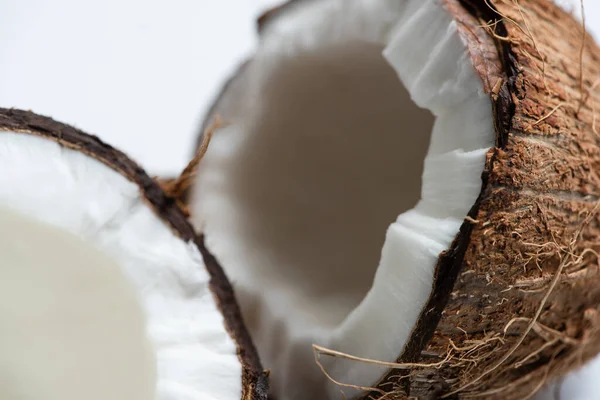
column 138, row 73
column 141, row 73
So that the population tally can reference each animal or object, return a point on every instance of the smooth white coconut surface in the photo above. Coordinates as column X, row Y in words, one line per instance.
column 331, row 191
column 72, row 327
column 195, row 358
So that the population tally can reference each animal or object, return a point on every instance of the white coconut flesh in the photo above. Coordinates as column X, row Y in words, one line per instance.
column 353, row 147
column 72, row 326
column 99, row 299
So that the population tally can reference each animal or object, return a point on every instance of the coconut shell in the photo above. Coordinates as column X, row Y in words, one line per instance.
column 516, row 299
column 254, row 379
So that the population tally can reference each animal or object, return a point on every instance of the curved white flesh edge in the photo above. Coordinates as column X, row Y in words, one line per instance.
column 195, row 356
column 420, row 41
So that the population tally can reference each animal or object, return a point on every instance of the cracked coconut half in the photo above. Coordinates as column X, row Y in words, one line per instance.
column 106, row 293
column 411, row 186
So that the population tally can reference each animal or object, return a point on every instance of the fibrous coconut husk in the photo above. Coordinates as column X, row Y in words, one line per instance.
column 516, row 299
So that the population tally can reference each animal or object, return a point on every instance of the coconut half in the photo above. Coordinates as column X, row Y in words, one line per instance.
column 402, row 181
column 106, row 292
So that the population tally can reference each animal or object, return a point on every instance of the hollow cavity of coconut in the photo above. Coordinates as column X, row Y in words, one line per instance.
column 106, row 293
column 411, row 182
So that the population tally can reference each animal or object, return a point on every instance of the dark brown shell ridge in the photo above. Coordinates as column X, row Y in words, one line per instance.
column 498, row 72
column 523, row 305
column 254, row 379
column 515, row 301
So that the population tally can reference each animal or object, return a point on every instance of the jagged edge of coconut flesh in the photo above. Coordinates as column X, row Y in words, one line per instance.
column 541, row 116
column 64, row 178
column 421, row 43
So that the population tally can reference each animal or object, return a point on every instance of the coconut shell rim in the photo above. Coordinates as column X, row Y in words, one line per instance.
column 254, row 379
column 492, row 52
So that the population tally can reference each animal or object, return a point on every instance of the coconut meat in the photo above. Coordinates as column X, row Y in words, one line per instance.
column 353, row 149
column 100, row 299
column 72, row 325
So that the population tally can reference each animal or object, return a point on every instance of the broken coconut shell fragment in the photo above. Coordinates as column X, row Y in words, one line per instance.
column 412, row 187
column 107, row 293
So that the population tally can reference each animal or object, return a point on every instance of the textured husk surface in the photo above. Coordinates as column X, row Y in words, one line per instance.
column 254, row 379
column 519, row 290
column 516, row 299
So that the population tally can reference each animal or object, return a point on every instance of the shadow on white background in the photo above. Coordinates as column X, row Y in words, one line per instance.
column 141, row 73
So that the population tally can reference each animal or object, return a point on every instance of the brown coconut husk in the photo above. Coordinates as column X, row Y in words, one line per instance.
column 178, row 188
column 254, row 379
column 516, row 299
column 523, row 304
